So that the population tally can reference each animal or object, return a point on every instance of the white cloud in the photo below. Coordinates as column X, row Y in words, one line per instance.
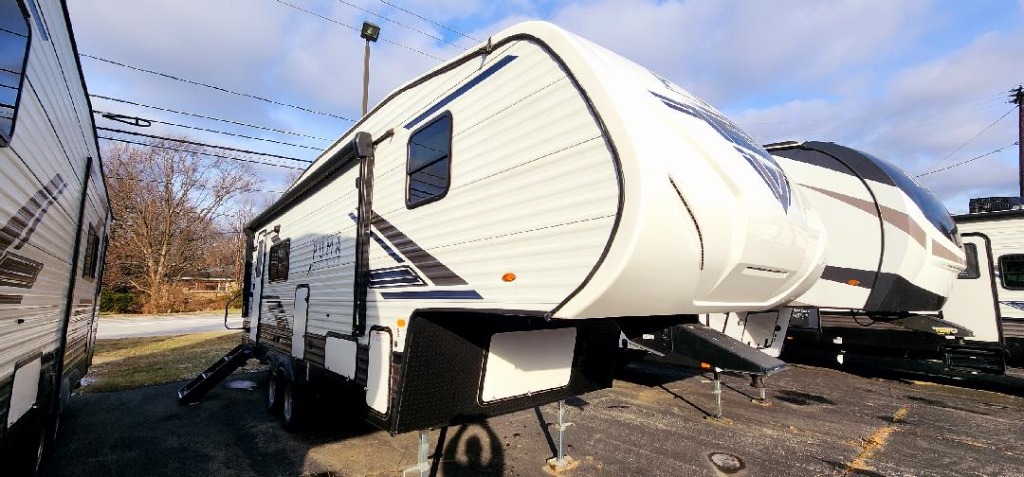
column 835, row 70
column 729, row 49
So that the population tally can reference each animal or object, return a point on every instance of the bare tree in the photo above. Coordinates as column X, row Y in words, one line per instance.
column 167, row 201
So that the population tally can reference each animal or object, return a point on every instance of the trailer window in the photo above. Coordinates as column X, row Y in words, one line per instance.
column 278, row 266
column 972, row 271
column 429, row 163
column 1011, row 269
column 14, row 36
column 92, row 251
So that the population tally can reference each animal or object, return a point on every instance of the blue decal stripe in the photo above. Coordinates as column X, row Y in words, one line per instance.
column 461, row 91
column 403, row 276
column 376, row 238
column 433, row 295
column 1014, row 304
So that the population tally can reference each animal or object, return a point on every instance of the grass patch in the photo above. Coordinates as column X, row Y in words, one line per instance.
column 133, row 362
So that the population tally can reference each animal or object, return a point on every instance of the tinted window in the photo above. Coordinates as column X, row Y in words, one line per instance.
column 278, row 263
column 92, row 250
column 971, row 272
column 429, row 162
column 14, row 35
column 1011, row 267
column 934, row 211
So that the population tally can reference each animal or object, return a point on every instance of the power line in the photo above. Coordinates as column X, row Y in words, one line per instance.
column 12, row 32
column 442, row 40
column 432, row 22
column 947, row 156
column 203, row 144
column 202, row 116
column 336, row 22
column 967, row 161
column 198, row 185
column 217, row 88
column 217, row 131
column 221, row 156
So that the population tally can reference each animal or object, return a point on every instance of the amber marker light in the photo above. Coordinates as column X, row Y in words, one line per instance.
column 401, row 323
column 705, row 366
column 508, row 277
column 853, row 281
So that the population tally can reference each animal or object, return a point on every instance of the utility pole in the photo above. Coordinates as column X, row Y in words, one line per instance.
column 369, row 32
column 1017, row 97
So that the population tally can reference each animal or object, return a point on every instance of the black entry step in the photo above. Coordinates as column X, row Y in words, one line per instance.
column 978, row 359
column 202, row 384
column 694, row 343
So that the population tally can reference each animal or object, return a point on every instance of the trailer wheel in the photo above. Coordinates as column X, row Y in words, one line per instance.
column 292, row 406
column 273, row 390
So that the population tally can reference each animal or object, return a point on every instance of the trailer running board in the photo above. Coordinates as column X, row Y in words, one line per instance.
column 694, row 344
column 192, row 392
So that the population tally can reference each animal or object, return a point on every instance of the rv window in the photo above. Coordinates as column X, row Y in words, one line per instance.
column 14, row 36
column 971, row 272
column 1011, row 267
column 260, row 252
column 278, row 266
column 429, row 164
column 92, row 250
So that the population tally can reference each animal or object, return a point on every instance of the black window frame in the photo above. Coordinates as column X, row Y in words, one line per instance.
column 277, row 267
column 1002, row 271
column 410, row 204
column 91, row 254
column 973, row 270
column 261, row 250
column 7, row 136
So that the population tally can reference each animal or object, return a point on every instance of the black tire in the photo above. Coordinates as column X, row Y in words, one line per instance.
column 293, row 406
column 273, row 398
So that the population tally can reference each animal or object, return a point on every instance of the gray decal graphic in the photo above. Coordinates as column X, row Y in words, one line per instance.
column 16, row 270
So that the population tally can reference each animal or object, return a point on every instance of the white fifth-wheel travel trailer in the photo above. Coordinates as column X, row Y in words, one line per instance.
column 468, row 248
column 54, row 215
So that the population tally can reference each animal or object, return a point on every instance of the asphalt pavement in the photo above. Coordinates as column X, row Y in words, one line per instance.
column 135, row 326
column 653, row 422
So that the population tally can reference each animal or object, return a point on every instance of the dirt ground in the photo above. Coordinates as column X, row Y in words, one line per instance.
column 653, row 422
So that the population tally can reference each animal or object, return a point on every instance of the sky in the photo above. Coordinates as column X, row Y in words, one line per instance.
column 923, row 84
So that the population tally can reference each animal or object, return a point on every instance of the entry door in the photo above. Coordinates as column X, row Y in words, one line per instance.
column 256, row 299
column 299, row 323
column 972, row 303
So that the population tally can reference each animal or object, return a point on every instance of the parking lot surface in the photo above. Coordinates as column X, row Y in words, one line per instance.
column 653, row 422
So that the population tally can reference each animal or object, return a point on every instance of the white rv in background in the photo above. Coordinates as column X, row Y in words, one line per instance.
column 892, row 256
column 976, row 260
column 988, row 297
column 469, row 246
column 54, row 215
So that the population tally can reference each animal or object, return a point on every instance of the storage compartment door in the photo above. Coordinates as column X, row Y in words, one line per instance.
column 378, row 375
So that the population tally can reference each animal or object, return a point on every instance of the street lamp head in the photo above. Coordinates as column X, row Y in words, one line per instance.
column 369, row 32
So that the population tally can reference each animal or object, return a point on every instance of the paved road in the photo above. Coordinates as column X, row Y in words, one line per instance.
column 824, row 422
column 135, row 326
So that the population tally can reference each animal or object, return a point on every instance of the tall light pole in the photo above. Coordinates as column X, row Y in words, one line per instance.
column 369, row 32
column 1017, row 97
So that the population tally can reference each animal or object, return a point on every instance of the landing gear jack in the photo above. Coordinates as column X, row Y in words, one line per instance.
column 757, row 382
column 422, row 467
column 717, row 416
column 561, row 462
